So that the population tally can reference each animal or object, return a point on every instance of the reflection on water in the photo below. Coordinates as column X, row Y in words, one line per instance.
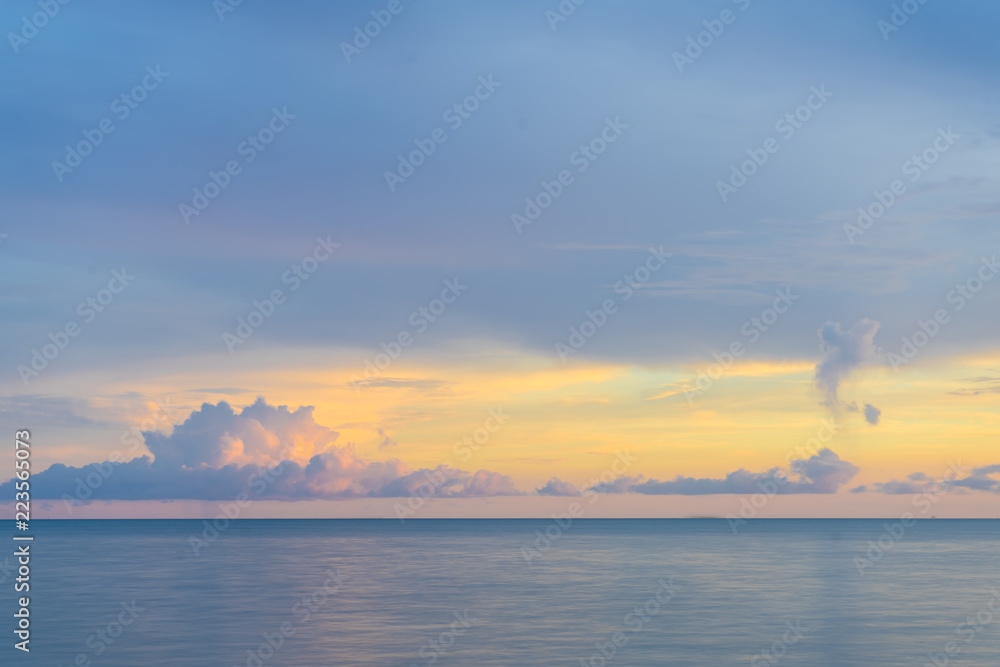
column 643, row 592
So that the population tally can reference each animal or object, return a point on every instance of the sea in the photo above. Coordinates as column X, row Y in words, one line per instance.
column 476, row 593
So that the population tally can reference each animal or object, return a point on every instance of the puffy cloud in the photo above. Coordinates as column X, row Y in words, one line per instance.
column 216, row 436
column 843, row 353
column 486, row 483
column 824, row 472
column 264, row 451
column 557, row 487
column 340, row 473
column 441, row 481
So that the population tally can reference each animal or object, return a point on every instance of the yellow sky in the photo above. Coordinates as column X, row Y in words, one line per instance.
column 569, row 420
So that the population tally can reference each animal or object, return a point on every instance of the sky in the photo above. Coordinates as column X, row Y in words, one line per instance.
column 493, row 259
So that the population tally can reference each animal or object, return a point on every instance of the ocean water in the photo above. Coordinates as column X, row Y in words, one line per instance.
column 478, row 593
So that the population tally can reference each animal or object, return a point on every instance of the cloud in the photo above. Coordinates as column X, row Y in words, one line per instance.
column 216, row 436
column 386, row 440
column 49, row 410
column 486, row 483
column 557, row 487
column 265, row 451
column 981, row 479
column 872, row 413
column 271, row 452
column 824, row 472
column 843, row 353
column 442, row 481
column 618, row 485
column 988, row 385
column 446, row 482
column 436, row 386
column 229, row 391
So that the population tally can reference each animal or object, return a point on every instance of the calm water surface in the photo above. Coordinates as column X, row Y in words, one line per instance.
column 370, row 592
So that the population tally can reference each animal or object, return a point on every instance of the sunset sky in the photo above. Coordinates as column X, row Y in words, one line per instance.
column 705, row 334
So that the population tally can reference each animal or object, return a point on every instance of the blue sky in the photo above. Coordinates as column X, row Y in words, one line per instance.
column 657, row 186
